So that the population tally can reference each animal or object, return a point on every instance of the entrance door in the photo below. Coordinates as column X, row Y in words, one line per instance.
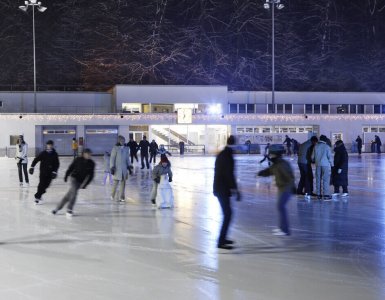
column 338, row 136
column 101, row 138
column 61, row 136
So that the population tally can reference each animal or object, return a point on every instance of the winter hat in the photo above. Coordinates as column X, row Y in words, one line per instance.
column 50, row 142
column 323, row 138
column 163, row 160
column 231, row 140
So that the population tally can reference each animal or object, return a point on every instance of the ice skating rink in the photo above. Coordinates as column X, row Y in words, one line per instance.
column 130, row 251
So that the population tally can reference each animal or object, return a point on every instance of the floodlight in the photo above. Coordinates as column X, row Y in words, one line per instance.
column 214, row 109
column 42, row 8
column 266, row 6
column 26, row 2
column 23, row 8
column 280, row 6
column 33, row 1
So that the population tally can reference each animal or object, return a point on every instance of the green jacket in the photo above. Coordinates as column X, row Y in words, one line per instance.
column 284, row 176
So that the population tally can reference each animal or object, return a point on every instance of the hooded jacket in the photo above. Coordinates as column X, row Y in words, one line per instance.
column 49, row 162
column 322, row 155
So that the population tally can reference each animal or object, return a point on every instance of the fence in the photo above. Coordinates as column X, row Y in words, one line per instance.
column 188, row 149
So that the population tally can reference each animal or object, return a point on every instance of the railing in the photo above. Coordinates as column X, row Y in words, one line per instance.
column 188, row 149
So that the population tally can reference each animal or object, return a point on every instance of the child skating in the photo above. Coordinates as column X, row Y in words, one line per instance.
column 284, row 178
column 162, row 194
column 81, row 172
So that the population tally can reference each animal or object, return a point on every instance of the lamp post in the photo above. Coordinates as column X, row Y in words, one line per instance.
column 40, row 8
column 273, row 4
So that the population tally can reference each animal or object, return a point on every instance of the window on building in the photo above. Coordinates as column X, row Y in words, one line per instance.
column 308, row 108
column 343, row 109
column 360, row 109
column 353, row 108
column 298, row 109
column 233, row 108
column 279, row 108
column 325, row 108
column 260, row 108
column 317, row 108
column 368, row 109
column 242, row 108
column 250, row 108
column 270, row 108
column 383, row 108
column 288, row 108
column 377, row 109
column 374, row 129
column 1, row 103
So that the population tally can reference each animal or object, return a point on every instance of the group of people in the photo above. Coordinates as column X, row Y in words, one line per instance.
column 81, row 171
column 292, row 146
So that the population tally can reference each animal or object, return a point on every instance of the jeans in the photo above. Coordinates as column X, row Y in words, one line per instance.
column 144, row 157
column 70, row 197
column 23, row 169
column 224, row 201
column 283, row 199
column 323, row 180
column 44, row 182
column 153, row 157
column 122, row 187
column 306, row 179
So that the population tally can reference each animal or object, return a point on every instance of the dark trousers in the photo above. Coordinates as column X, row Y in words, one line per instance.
column 75, row 154
column 70, row 197
column 44, row 182
column 23, row 169
column 378, row 148
column 306, row 179
column 283, row 199
column 288, row 150
column 153, row 157
column 144, row 157
column 359, row 150
column 133, row 154
column 264, row 158
column 337, row 188
column 224, row 201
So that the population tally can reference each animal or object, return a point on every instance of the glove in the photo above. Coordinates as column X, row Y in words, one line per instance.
column 112, row 170
column 239, row 196
column 65, row 178
column 31, row 169
column 339, row 171
column 53, row 175
column 170, row 179
column 83, row 187
column 157, row 180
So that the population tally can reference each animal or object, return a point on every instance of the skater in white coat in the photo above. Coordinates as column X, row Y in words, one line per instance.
column 22, row 160
column 162, row 194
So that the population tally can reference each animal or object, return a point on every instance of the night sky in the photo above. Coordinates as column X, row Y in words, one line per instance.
column 321, row 45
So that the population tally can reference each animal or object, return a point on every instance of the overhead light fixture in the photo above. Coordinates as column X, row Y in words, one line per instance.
column 42, row 8
column 23, row 8
column 266, row 6
column 215, row 109
column 280, row 6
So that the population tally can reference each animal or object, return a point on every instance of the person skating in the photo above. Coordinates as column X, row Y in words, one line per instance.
column 163, row 153
column 266, row 154
column 133, row 145
column 81, row 172
column 288, row 143
column 359, row 145
column 310, row 178
column 340, row 169
column 304, row 184
column 323, row 159
column 181, row 147
column 153, row 151
column 144, row 147
column 22, row 160
column 107, row 170
column 284, row 178
column 224, row 186
column 378, row 144
column 49, row 165
column 163, row 168
column 120, row 166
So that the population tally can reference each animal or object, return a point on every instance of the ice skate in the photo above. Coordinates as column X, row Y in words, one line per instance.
column 21, row 184
column 279, row 232
column 345, row 195
column 69, row 214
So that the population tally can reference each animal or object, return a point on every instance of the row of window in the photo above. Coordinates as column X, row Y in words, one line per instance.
column 307, row 108
column 275, row 129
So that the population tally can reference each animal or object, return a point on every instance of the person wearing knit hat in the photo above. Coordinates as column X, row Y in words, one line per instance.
column 163, row 168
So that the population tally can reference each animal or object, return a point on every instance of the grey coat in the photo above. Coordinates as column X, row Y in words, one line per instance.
column 120, row 161
column 322, row 155
column 302, row 159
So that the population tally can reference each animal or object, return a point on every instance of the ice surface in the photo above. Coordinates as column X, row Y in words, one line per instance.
column 129, row 251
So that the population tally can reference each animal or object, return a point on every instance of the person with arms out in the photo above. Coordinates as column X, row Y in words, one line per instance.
column 133, row 145
column 163, row 168
column 153, row 151
column 22, row 160
column 144, row 147
column 359, row 145
column 266, row 154
column 49, row 165
column 81, row 172
column 224, row 185
column 284, row 178
column 340, row 169
column 288, row 142
column 120, row 166
column 323, row 159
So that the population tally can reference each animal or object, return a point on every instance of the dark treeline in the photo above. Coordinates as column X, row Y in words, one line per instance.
column 321, row 45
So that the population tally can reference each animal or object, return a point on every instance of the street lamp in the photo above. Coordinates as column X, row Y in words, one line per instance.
column 40, row 8
column 272, row 4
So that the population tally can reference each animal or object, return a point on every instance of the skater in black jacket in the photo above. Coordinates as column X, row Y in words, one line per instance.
column 82, row 172
column 49, row 164
column 133, row 145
